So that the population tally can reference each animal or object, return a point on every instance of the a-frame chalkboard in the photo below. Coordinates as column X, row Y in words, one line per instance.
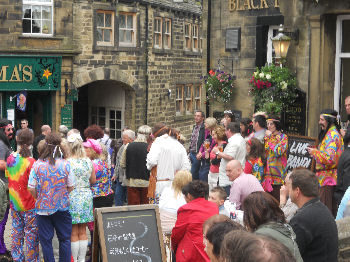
column 128, row 234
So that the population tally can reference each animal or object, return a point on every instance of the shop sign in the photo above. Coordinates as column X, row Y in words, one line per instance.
column 38, row 73
column 66, row 116
column 240, row 5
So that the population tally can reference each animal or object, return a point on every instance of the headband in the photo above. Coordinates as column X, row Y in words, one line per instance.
column 332, row 116
column 156, row 133
column 227, row 112
column 271, row 119
column 73, row 137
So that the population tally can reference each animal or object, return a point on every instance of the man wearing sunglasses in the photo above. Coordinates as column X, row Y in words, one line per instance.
column 6, row 134
column 24, row 125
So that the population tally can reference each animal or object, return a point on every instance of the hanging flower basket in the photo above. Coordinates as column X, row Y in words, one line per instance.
column 219, row 85
column 273, row 89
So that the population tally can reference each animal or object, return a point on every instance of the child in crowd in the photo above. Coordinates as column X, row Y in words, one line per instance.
column 22, row 203
column 255, row 159
column 218, row 196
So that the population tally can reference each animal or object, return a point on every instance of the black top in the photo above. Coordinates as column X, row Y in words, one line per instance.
column 136, row 154
column 35, row 145
column 343, row 180
column 316, row 232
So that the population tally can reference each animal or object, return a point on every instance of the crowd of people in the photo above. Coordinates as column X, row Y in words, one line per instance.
column 53, row 182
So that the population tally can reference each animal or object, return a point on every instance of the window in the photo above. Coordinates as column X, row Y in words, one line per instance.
column 98, row 116
column 273, row 31
column 113, row 120
column 179, row 99
column 127, row 29
column 201, row 44
column 105, row 28
column 158, row 32
column 195, row 37
column 187, row 36
column 197, row 97
column 188, row 98
column 37, row 17
column 115, row 123
column 342, row 64
column 167, row 33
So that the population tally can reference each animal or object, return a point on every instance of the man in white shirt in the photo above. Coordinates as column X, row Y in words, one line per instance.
column 234, row 150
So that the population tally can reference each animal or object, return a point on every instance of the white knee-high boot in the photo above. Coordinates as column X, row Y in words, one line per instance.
column 75, row 249
column 82, row 250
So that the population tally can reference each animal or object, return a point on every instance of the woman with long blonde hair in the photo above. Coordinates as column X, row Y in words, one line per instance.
column 171, row 199
column 81, row 205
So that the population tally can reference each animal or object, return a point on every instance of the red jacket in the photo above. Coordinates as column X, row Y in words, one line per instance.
column 187, row 235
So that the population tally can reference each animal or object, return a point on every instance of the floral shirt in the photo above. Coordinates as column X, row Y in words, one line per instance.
column 276, row 160
column 327, row 156
column 255, row 167
column 103, row 184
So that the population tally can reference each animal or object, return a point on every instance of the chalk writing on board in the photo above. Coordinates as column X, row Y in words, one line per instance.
column 132, row 243
column 298, row 155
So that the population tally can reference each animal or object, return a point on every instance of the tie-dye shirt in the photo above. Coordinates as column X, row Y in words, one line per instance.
column 276, row 160
column 51, row 182
column 255, row 167
column 327, row 156
column 17, row 172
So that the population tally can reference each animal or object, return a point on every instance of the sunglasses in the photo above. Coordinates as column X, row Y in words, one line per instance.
column 9, row 129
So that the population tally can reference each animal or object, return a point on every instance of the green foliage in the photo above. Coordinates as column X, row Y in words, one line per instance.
column 273, row 89
column 219, row 85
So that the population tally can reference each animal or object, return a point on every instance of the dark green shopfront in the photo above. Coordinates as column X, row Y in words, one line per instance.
column 28, row 87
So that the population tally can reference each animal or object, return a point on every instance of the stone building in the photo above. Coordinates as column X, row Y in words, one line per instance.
column 36, row 56
column 319, row 56
column 124, row 63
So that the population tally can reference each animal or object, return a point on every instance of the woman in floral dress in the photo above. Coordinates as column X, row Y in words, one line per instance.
column 81, row 204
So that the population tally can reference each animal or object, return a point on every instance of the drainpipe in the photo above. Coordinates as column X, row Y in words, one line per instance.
column 208, row 50
column 146, row 65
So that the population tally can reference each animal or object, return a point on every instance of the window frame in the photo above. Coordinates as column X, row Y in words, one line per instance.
column 195, row 37
column 197, row 98
column 159, row 33
column 106, row 117
column 188, row 37
column 134, row 29
column 179, row 99
column 112, row 41
column 32, row 3
column 167, row 35
column 189, row 100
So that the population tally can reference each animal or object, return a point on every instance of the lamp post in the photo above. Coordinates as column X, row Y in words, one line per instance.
column 281, row 44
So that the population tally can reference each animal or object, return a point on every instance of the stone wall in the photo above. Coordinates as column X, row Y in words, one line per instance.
column 165, row 68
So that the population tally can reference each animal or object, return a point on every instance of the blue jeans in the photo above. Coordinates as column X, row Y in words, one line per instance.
column 196, row 164
column 119, row 194
column 61, row 221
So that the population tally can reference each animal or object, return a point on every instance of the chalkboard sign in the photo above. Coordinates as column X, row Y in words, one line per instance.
column 298, row 156
column 128, row 234
column 294, row 118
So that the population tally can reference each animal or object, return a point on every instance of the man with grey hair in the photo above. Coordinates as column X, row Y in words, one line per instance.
column 63, row 130
column 136, row 172
column 119, row 173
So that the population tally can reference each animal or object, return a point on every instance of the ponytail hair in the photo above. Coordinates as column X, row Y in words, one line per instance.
column 24, row 140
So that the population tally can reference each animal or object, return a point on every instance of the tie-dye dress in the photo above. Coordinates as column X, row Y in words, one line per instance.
column 327, row 157
column 276, row 147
